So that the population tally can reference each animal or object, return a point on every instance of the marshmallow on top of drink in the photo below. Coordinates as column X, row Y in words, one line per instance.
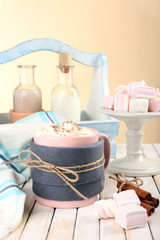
column 67, row 129
column 137, row 97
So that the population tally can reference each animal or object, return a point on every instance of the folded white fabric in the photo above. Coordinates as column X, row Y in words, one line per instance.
column 13, row 139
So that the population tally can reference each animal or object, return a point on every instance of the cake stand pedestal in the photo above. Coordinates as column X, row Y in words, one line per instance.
column 134, row 164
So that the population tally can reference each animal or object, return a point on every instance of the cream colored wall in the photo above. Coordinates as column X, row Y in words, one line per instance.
column 128, row 31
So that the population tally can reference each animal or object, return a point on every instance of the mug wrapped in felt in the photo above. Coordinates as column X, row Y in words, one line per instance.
column 49, row 185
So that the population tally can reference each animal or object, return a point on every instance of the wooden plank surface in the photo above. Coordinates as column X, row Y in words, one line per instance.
column 157, row 177
column 150, row 152
column 87, row 226
column 110, row 187
column 154, row 220
column 157, row 181
column 110, row 230
column 62, row 226
column 40, row 222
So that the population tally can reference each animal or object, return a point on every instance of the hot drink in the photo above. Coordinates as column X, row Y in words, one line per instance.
column 69, row 150
column 68, row 128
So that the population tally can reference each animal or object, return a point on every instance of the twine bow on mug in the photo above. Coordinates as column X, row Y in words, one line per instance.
column 48, row 167
column 61, row 171
column 124, row 181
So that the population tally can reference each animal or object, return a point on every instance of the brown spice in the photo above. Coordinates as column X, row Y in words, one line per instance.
column 140, row 192
column 149, row 208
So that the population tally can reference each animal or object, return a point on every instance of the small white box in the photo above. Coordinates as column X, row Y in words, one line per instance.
column 138, row 105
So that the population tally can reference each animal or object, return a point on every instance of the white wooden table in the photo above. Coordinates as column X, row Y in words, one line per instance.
column 40, row 222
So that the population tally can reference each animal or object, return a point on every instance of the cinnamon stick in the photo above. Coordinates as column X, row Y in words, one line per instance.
column 156, row 201
column 140, row 192
column 149, row 208
column 149, row 202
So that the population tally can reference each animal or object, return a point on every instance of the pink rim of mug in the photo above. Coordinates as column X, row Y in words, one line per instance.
column 65, row 204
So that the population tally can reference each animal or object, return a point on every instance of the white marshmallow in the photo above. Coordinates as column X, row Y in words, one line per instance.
column 138, row 105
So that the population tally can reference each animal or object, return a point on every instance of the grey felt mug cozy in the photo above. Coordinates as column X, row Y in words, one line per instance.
column 49, row 185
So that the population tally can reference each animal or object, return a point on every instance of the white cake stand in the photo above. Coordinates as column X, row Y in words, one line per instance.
column 134, row 164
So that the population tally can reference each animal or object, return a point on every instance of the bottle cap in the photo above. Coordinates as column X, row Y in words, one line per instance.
column 65, row 58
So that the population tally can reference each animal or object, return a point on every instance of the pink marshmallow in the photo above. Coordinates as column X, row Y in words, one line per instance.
column 131, row 216
column 121, row 102
column 157, row 92
column 108, row 102
column 122, row 89
column 126, row 197
column 105, row 208
column 133, row 85
column 154, row 105
column 143, row 92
